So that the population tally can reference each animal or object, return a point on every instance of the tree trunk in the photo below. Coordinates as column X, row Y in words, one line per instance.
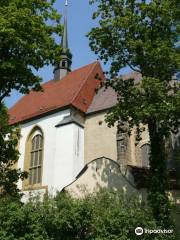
column 158, row 181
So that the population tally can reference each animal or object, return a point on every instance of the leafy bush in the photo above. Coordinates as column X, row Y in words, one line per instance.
column 9, row 155
column 101, row 216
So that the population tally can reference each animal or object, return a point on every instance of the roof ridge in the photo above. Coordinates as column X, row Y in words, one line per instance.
column 46, row 83
column 74, row 70
column 55, row 96
column 86, row 78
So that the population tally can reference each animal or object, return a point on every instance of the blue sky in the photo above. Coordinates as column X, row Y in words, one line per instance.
column 79, row 24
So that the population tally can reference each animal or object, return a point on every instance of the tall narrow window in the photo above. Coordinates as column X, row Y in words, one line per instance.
column 35, row 167
column 145, row 151
column 63, row 64
column 122, row 142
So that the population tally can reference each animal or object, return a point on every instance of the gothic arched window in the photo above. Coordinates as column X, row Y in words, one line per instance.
column 35, row 167
column 145, row 151
column 33, row 159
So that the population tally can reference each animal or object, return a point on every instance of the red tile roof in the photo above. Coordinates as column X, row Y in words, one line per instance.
column 76, row 89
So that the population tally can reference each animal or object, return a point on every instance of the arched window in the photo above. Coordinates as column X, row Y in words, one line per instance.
column 33, row 159
column 145, row 151
column 122, row 143
column 35, row 168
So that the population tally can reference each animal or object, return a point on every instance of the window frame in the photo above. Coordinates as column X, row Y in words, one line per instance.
column 35, row 165
column 27, row 184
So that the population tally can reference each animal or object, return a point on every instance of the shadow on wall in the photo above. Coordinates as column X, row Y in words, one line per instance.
column 103, row 173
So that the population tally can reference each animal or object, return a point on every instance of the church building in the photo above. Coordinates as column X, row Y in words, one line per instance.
column 65, row 142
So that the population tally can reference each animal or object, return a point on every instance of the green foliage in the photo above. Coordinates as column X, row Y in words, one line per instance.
column 138, row 33
column 101, row 216
column 149, row 100
column 9, row 176
column 143, row 35
column 26, row 43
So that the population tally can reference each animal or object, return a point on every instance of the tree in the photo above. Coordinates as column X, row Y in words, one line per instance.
column 27, row 43
column 9, row 175
column 142, row 35
column 101, row 216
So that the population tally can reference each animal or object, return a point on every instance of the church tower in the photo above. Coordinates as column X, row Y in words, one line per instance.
column 64, row 66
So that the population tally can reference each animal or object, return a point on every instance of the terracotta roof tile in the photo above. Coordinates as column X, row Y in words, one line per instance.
column 76, row 89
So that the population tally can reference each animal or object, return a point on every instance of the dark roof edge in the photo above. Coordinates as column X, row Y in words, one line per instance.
column 70, row 122
column 98, row 111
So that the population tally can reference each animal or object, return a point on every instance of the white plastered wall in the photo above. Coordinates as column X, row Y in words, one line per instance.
column 61, row 162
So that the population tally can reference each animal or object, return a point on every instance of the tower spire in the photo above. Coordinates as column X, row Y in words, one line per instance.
column 64, row 40
column 64, row 66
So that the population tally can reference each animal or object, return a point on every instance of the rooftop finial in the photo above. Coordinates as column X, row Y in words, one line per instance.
column 66, row 4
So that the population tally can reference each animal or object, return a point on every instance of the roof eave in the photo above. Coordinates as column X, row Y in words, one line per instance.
column 44, row 114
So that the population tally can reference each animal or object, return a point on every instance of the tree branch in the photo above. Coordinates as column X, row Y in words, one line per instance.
column 5, row 94
column 134, row 69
